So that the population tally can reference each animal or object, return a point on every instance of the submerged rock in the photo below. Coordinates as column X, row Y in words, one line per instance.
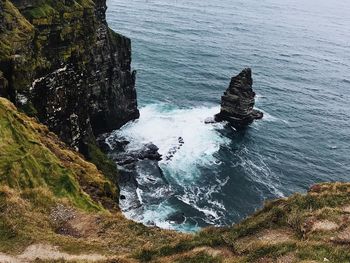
column 144, row 182
column 173, row 150
column 116, row 144
column 209, row 120
column 237, row 103
column 177, row 218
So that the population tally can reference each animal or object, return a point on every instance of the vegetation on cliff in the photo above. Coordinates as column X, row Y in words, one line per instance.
column 57, row 204
column 50, row 194
column 55, row 51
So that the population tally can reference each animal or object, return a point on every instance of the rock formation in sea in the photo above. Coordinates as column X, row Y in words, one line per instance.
column 60, row 62
column 237, row 103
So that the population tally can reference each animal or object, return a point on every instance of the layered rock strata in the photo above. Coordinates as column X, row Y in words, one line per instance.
column 60, row 62
column 237, row 103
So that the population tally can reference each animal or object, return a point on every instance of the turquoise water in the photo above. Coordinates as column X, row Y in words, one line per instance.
column 185, row 53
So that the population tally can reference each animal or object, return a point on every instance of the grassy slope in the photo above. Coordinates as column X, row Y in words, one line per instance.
column 39, row 175
column 302, row 228
column 36, row 172
column 50, row 194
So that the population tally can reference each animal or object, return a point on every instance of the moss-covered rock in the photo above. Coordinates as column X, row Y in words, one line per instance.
column 42, row 40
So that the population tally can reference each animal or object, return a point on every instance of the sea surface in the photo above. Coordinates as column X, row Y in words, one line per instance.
column 186, row 51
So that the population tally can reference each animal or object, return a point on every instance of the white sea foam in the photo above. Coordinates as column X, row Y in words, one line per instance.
column 139, row 195
column 259, row 171
column 163, row 126
column 155, row 215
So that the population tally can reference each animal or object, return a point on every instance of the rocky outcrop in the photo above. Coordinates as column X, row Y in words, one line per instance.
column 237, row 103
column 3, row 82
column 62, row 64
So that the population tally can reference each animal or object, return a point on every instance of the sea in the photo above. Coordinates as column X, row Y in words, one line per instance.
column 185, row 53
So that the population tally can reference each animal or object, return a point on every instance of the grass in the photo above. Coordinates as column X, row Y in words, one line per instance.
column 37, row 172
column 103, row 163
column 51, row 8
column 21, row 33
column 26, row 164
column 199, row 258
column 273, row 251
column 41, row 11
column 319, row 252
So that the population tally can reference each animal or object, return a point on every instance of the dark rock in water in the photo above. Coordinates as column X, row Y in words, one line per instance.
column 209, row 120
column 122, row 197
column 172, row 151
column 103, row 144
column 177, row 218
column 152, row 147
column 128, row 178
column 151, row 185
column 150, row 151
column 123, row 157
column 118, row 145
column 124, row 160
column 237, row 104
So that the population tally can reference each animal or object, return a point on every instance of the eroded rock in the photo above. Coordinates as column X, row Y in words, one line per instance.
column 237, row 103
column 67, row 67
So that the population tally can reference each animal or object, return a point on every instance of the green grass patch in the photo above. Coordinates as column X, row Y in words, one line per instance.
column 25, row 163
column 318, row 252
column 42, row 11
column 94, row 154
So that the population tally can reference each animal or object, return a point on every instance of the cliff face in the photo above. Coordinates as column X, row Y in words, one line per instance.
column 60, row 62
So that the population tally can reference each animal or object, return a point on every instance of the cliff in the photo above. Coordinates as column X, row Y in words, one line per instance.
column 57, row 207
column 60, row 62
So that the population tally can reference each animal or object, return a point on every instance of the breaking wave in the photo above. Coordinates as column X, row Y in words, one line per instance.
column 188, row 145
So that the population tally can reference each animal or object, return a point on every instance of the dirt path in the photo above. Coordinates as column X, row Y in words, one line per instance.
column 47, row 252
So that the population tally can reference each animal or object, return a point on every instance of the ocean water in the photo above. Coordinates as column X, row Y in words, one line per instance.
column 186, row 51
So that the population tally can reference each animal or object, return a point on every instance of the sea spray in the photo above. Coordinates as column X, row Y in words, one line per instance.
column 193, row 145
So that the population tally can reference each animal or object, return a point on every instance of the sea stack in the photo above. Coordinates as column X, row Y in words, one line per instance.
column 237, row 103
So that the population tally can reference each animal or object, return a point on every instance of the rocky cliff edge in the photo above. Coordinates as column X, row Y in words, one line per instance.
column 60, row 62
